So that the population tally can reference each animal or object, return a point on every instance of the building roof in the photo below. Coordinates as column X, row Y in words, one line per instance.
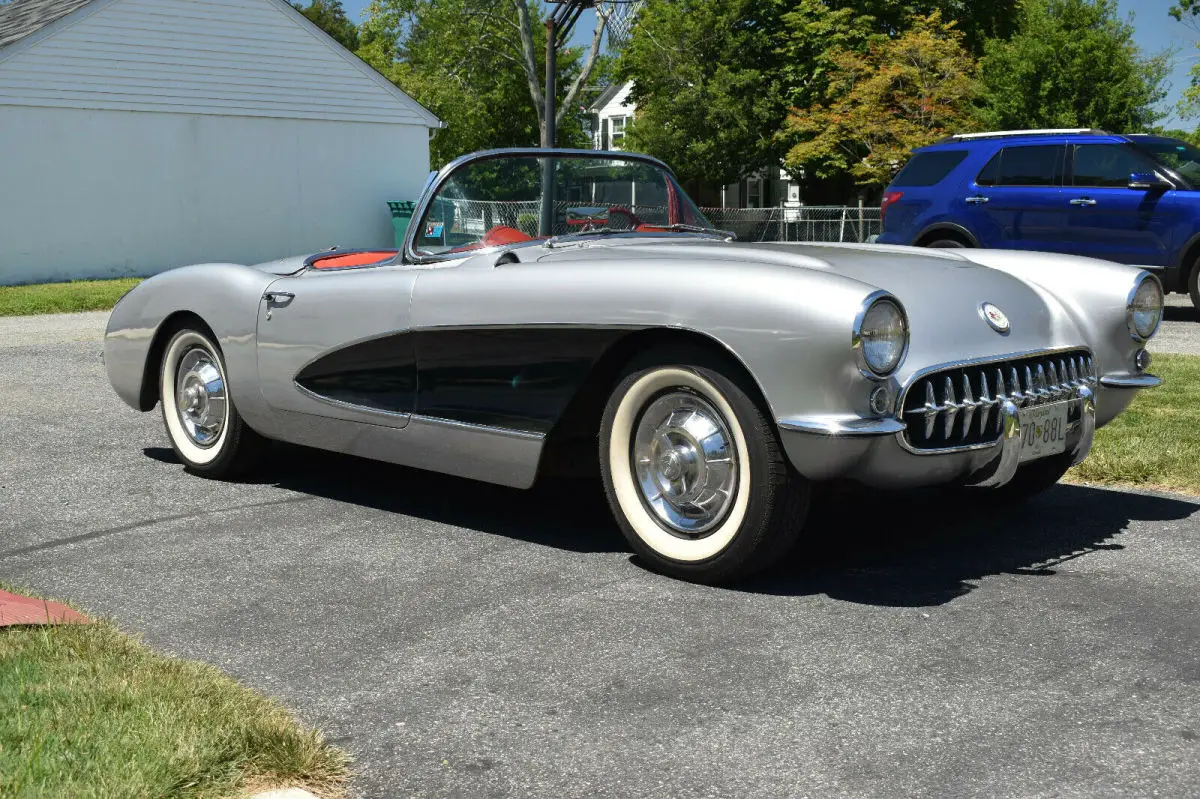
column 606, row 97
column 21, row 18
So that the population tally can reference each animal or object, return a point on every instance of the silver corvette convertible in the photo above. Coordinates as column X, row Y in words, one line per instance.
column 558, row 310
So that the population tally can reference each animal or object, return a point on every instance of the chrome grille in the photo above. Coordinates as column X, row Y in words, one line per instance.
column 960, row 406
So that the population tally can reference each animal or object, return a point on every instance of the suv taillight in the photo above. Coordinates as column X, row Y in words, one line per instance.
column 889, row 197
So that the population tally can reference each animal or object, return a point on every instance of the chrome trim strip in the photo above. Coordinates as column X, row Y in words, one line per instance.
column 507, row 432
column 1011, row 356
column 350, row 406
column 842, row 427
column 1130, row 381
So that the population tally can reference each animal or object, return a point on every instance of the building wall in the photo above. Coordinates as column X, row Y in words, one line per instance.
column 228, row 57
column 97, row 193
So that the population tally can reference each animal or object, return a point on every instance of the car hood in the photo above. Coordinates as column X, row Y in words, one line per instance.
column 941, row 290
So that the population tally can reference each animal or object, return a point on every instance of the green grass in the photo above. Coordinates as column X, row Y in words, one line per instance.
column 87, row 711
column 1156, row 442
column 78, row 295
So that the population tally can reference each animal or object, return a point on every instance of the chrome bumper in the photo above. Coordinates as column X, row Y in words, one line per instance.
column 873, row 451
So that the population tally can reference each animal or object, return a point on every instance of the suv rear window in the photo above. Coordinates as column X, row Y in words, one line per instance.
column 927, row 169
column 1038, row 165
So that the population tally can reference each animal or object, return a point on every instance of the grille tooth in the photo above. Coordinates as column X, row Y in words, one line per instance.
column 1074, row 371
column 1055, row 388
column 1014, row 390
column 931, row 409
column 968, row 406
column 985, row 399
column 951, row 407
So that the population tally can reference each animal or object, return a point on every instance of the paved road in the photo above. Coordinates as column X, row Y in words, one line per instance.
column 1180, row 330
column 466, row 640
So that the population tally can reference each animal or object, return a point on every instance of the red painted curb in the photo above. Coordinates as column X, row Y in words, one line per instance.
column 16, row 609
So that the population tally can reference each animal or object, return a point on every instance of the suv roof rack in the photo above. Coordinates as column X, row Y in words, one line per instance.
column 997, row 134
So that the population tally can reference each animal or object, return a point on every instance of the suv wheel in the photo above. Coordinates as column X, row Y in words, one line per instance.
column 946, row 244
column 1194, row 285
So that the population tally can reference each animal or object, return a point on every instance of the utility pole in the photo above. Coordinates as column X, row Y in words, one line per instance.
column 559, row 26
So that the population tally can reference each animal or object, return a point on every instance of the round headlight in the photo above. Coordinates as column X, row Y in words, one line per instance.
column 882, row 336
column 1145, row 308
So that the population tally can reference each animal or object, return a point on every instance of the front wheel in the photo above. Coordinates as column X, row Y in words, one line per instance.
column 694, row 472
column 204, row 426
column 946, row 244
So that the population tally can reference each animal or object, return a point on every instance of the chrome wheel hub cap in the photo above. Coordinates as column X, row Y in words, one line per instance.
column 200, row 396
column 686, row 463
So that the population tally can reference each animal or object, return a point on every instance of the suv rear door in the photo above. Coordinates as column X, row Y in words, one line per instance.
column 1015, row 202
column 1106, row 218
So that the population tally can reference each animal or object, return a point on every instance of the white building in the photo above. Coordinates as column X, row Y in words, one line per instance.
column 139, row 135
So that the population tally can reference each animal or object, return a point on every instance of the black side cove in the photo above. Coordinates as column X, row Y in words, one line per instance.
column 514, row 378
column 380, row 374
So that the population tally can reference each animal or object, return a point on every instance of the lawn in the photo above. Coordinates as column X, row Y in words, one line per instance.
column 78, row 295
column 1156, row 442
column 90, row 712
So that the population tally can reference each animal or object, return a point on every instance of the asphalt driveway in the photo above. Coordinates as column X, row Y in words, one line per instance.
column 466, row 640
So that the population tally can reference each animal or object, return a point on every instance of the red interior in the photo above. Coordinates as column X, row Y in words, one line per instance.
column 335, row 261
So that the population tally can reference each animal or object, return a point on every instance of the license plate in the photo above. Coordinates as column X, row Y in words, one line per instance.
column 1043, row 431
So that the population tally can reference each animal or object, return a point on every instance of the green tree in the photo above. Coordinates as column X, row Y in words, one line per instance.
column 901, row 93
column 715, row 80
column 1072, row 63
column 329, row 16
column 707, row 85
column 480, row 66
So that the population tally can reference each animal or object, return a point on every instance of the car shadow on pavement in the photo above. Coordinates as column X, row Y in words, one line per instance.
column 903, row 549
column 924, row 548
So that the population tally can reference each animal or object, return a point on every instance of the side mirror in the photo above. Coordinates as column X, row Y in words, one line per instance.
column 1148, row 181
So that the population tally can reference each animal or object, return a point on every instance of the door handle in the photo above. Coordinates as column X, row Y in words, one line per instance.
column 978, row 199
column 1083, row 201
column 279, row 297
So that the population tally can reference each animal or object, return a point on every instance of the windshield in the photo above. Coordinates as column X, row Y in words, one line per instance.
column 499, row 201
column 1178, row 156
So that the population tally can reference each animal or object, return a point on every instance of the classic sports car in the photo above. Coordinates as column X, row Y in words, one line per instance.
column 713, row 383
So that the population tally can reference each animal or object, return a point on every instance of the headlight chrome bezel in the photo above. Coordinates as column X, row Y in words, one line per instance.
column 1134, row 331
column 858, row 342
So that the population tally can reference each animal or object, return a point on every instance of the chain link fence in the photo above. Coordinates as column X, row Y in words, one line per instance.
column 806, row 223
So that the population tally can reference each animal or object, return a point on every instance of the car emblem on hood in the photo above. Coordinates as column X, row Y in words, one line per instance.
column 994, row 317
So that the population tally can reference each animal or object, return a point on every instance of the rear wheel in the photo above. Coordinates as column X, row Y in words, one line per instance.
column 945, row 244
column 204, row 426
column 694, row 472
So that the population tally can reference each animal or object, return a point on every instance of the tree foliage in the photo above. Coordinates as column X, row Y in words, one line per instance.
column 480, row 66
column 329, row 16
column 901, row 93
column 1072, row 63
column 715, row 80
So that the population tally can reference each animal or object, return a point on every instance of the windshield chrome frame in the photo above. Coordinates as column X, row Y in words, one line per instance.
column 438, row 180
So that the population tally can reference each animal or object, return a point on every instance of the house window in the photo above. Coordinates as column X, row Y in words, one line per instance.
column 754, row 193
column 618, row 131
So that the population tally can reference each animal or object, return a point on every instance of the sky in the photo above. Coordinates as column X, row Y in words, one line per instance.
column 1154, row 32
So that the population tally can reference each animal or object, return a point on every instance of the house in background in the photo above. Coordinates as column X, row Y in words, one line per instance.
column 612, row 112
column 139, row 135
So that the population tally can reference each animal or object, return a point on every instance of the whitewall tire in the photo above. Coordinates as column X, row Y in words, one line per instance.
column 205, row 429
column 694, row 472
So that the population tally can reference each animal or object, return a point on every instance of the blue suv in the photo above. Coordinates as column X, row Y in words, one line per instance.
column 1132, row 199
